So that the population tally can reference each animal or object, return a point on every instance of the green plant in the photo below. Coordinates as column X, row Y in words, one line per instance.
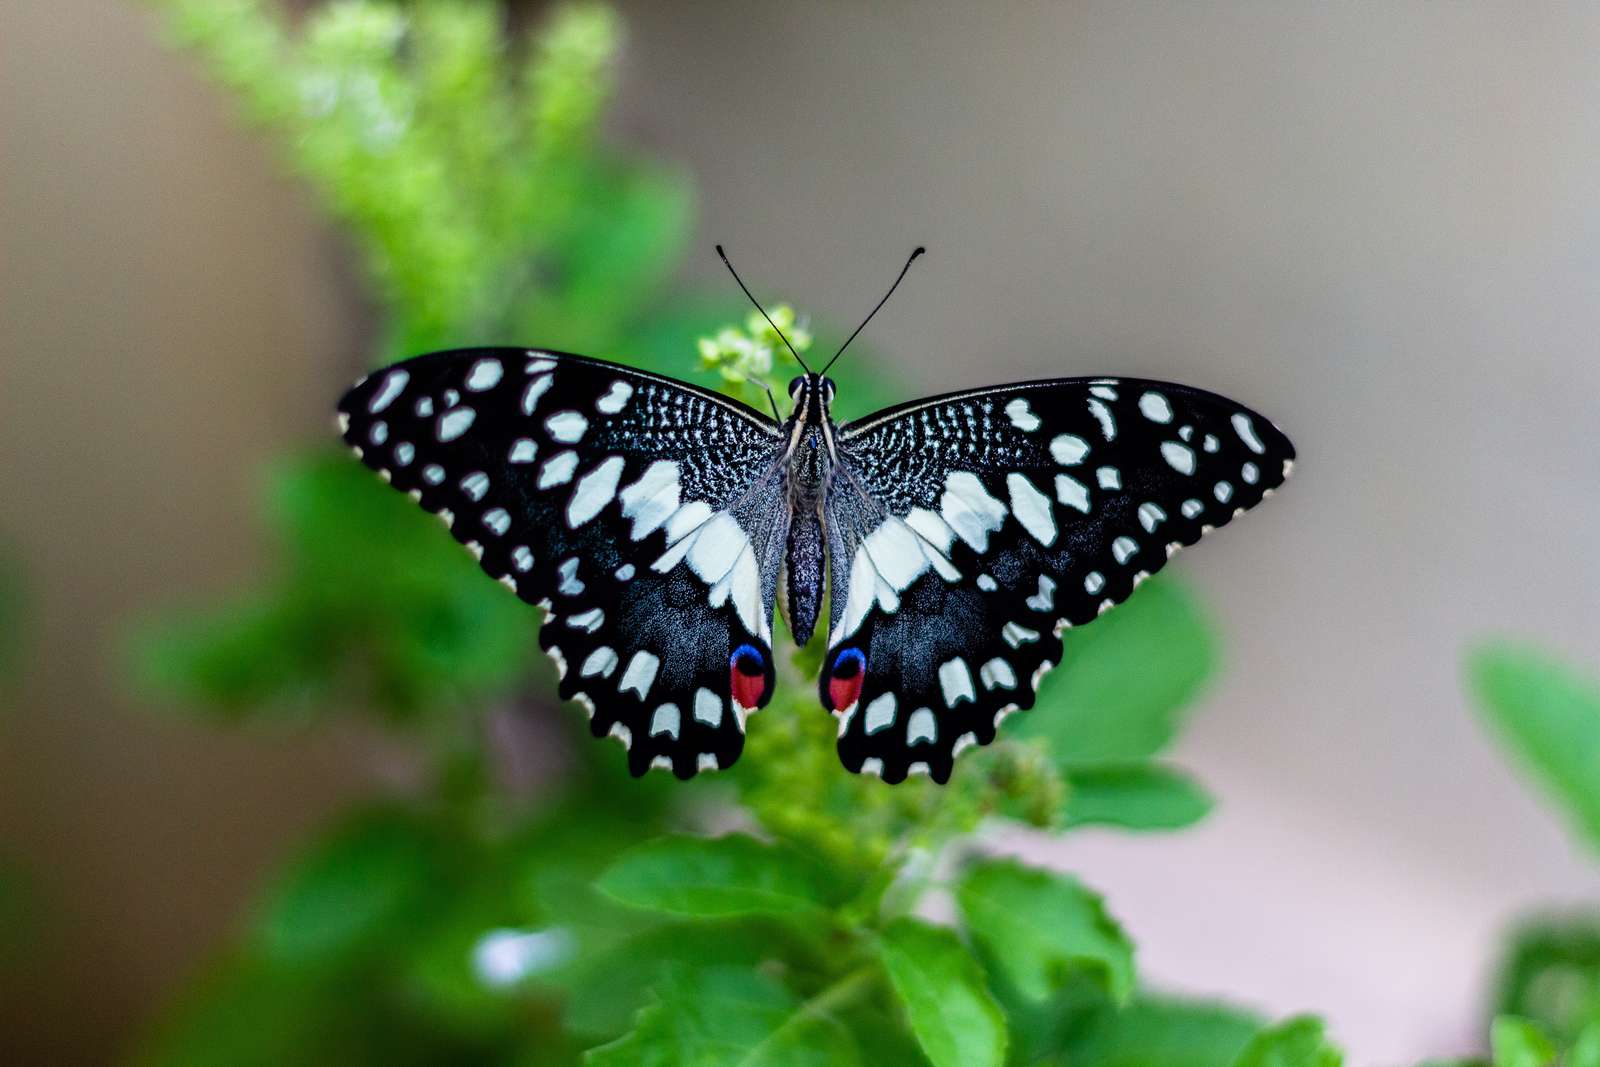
column 1547, row 716
column 605, row 923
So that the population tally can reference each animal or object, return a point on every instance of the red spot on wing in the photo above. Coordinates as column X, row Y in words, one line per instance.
column 748, row 689
column 844, row 692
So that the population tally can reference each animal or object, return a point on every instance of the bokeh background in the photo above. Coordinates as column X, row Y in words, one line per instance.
column 1376, row 223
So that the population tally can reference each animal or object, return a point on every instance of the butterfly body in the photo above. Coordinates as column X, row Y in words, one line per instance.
column 660, row 526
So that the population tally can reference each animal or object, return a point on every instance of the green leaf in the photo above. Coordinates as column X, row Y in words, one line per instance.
column 1124, row 683
column 362, row 884
column 1520, row 1043
column 374, row 593
column 1159, row 1032
column 1139, row 796
column 1043, row 928
column 1551, row 973
column 719, row 876
column 1549, row 717
column 1585, row 1051
column 1298, row 1042
column 728, row 1017
column 606, row 989
column 955, row 1020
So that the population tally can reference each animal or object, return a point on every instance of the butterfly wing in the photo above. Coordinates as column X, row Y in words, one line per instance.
column 965, row 532
column 641, row 513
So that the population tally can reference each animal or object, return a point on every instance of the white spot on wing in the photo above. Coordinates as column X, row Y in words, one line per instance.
column 523, row 451
column 955, row 679
column 522, row 558
column 1150, row 516
column 1246, row 429
column 393, row 383
column 601, row 661
column 1093, row 582
column 536, row 388
column 1123, row 548
column 997, row 673
column 639, row 676
column 1016, row 635
column 455, row 422
column 1223, row 492
column 568, row 573
column 880, row 714
column 1179, row 457
column 650, row 500
column 1072, row 493
column 475, row 485
column 498, row 520
column 1155, row 407
column 1109, row 478
column 937, row 532
column 1250, row 473
column 1032, row 509
column 614, row 398
column 1021, row 416
column 987, row 583
column 708, row 707
column 1108, row 421
column 1068, row 449
column 667, row 720
column 969, row 509
column 485, row 374
column 566, row 426
column 921, row 727
column 594, row 491
column 588, row 621
column 1045, row 599
column 557, row 470
column 1192, row 507
column 404, row 453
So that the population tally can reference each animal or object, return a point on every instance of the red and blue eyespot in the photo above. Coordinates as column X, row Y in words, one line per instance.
column 749, row 677
column 845, row 678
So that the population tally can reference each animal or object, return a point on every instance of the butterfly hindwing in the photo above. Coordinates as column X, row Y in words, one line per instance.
column 641, row 513
column 965, row 532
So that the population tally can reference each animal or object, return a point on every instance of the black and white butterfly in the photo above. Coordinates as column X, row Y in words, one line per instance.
column 657, row 524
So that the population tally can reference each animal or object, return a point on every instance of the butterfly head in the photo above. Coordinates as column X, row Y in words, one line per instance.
column 811, row 395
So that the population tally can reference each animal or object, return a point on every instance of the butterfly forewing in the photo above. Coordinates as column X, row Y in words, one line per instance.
column 637, row 511
column 965, row 532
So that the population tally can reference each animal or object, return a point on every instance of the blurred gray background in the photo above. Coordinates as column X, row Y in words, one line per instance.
column 1377, row 223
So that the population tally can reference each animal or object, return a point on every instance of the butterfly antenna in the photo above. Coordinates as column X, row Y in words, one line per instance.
column 910, row 260
column 761, row 309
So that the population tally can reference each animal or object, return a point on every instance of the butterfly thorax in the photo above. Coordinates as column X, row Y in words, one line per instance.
column 810, row 433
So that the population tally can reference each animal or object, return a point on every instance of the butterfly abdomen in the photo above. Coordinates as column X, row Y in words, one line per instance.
column 803, row 561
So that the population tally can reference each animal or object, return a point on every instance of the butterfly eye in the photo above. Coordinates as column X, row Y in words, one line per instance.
column 844, row 682
column 795, row 385
column 747, row 676
column 827, row 390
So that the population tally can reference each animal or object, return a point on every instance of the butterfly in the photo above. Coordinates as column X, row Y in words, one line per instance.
column 658, row 524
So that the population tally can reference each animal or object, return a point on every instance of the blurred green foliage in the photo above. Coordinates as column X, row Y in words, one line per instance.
column 604, row 923
column 1547, row 715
